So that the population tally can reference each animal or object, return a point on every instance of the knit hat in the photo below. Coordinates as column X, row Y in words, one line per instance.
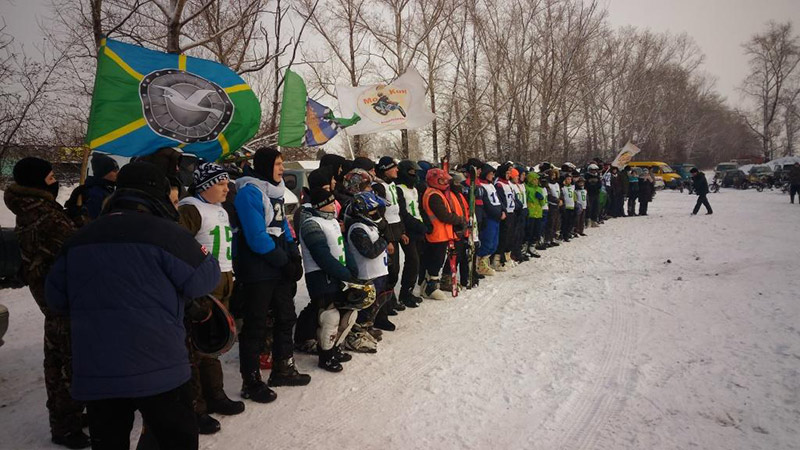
column 320, row 177
column 31, row 172
column 102, row 165
column 320, row 197
column 146, row 177
column 362, row 162
column 264, row 162
column 386, row 163
column 207, row 175
column 487, row 169
column 514, row 173
column 335, row 162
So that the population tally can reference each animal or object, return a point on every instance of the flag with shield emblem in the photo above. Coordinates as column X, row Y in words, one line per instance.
column 144, row 100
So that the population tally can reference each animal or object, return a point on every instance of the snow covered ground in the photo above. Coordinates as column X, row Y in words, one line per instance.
column 666, row 331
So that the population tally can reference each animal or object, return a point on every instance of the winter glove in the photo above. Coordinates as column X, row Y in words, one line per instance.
column 198, row 310
column 293, row 269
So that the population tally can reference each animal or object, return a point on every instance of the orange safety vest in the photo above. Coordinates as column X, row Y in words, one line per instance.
column 460, row 207
column 442, row 232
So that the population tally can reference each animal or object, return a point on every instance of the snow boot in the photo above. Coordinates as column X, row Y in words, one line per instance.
column 593, row 224
column 256, row 390
column 341, row 356
column 383, row 323
column 409, row 299
column 541, row 246
column 207, row 424
column 432, row 289
column 446, row 284
column 75, row 439
column 533, row 252
column 221, row 404
column 496, row 265
column 284, row 373
column 483, row 267
column 328, row 360
column 359, row 340
column 510, row 263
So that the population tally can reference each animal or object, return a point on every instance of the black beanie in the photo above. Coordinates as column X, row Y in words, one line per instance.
column 362, row 162
column 487, row 169
column 475, row 162
column 102, row 165
column 320, row 197
column 264, row 162
column 320, row 177
column 146, row 177
column 386, row 163
column 31, row 172
column 334, row 162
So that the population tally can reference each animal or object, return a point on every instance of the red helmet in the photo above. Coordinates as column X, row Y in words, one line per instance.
column 438, row 179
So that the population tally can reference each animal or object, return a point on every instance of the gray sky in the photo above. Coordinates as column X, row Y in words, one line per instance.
column 718, row 26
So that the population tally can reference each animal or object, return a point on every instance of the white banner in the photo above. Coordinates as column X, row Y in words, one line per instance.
column 625, row 155
column 397, row 106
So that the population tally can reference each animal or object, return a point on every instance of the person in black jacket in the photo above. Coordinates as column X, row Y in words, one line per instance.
column 125, row 280
column 646, row 190
column 701, row 189
column 593, row 185
column 411, row 215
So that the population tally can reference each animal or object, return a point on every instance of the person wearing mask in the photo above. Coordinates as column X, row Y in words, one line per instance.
column 445, row 224
column 42, row 227
column 129, row 344
column 268, row 265
column 411, row 215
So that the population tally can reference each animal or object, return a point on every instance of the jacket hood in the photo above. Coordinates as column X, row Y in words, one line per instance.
column 307, row 212
column 19, row 198
column 531, row 177
column 272, row 191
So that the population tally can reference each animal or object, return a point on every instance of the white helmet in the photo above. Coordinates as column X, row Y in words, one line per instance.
column 593, row 166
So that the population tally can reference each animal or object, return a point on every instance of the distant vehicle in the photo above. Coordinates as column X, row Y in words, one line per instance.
column 723, row 168
column 761, row 175
column 684, row 170
column 735, row 178
column 658, row 168
column 295, row 175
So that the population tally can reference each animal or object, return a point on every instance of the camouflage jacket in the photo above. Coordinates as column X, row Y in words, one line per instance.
column 42, row 227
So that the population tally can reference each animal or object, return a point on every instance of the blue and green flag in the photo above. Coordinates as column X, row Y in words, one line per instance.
column 144, row 100
column 306, row 122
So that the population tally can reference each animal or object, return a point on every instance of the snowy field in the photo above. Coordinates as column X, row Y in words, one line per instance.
column 666, row 331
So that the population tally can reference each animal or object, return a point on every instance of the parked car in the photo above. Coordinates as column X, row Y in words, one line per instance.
column 660, row 169
column 684, row 170
column 723, row 168
column 735, row 178
column 761, row 174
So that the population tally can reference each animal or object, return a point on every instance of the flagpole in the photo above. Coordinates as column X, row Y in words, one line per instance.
column 349, row 145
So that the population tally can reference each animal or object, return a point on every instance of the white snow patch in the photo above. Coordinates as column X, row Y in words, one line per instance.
column 666, row 331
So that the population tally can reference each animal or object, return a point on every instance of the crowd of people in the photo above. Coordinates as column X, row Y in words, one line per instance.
column 137, row 260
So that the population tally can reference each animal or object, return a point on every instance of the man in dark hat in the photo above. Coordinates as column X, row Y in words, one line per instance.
column 86, row 201
column 268, row 265
column 130, row 344
column 42, row 227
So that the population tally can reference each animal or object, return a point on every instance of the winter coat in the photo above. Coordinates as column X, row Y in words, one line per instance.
column 624, row 179
column 616, row 185
column 124, row 279
column 329, row 279
column 633, row 186
column 646, row 189
column 260, row 255
column 414, row 227
column 393, row 231
column 593, row 185
column 794, row 175
column 536, row 198
column 92, row 194
column 490, row 210
column 700, row 184
column 42, row 228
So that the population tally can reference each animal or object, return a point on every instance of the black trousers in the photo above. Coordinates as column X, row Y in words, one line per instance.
column 434, row 257
column 308, row 321
column 506, row 238
column 794, row 189
column 702, row 200
column 643, row 207
column 567, row 222
column 169, row 416
column 259, row 297
column 593, row 207
column 394, row 267
column 411, row 267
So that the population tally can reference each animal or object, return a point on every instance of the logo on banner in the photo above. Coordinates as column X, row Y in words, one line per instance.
column 384, row 104
column 184, row 107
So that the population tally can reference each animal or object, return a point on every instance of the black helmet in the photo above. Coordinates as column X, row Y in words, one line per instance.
column 216, row 335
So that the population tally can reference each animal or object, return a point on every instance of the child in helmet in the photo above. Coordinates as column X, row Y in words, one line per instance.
column 369, row 260
column 581, row 205
column 537, row 200
column 445, row 221
column 493, row 214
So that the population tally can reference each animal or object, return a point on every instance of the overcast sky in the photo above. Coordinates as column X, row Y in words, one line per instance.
column 719, row 26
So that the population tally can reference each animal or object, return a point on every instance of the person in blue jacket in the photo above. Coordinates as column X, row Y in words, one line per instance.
column 126, row 280
column 494, row 213
column 268, row 265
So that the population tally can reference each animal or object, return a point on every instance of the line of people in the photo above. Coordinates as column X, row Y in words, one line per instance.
column 126, row 275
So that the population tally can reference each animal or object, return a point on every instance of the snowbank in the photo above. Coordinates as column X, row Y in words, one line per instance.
column 666, row 331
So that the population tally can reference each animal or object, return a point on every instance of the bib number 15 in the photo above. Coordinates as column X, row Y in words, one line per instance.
column 217, row 234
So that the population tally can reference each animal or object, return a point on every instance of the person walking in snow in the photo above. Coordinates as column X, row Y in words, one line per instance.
column 129, row 344
column 701, row 189
column 42, row 227
column 268, row 265
column 203, row 215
